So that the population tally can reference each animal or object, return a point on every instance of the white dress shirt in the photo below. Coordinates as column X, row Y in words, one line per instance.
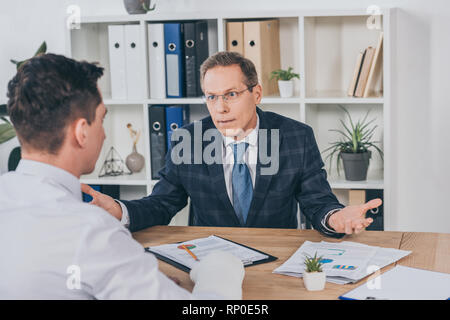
column 54, row 246
column 250, row 159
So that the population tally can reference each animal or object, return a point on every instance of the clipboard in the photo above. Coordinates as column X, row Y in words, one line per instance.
column 404, row 283
column 180, row 266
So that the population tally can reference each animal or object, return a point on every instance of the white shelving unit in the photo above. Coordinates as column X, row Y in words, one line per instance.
column 320, row 45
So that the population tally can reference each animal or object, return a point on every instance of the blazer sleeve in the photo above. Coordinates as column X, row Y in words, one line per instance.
column 166, row 200
column 313, row 191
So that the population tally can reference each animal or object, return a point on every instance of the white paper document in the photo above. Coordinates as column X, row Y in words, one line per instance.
column 344, row 262
column 202, row 247
column 404, row 283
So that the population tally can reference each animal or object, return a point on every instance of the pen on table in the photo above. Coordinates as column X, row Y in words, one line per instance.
column 190, row 252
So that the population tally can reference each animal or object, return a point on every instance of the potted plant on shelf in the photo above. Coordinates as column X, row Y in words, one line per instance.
column 9, row 145
column 314, row 278
column 353, row 147
column 285, row 81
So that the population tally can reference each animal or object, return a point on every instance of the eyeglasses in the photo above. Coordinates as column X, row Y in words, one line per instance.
column 227, row 97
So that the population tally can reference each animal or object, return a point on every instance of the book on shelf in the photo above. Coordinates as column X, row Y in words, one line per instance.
column 364, row 74
column 356, row 72
column 374, row 80
column 367, row 74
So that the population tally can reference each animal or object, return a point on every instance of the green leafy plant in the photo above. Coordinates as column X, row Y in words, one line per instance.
column 285, row 75
column 313, row 264
column 7, row 131
column 42, row 49
column 354, row 139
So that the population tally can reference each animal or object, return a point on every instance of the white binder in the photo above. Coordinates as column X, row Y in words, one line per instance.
column 116, row 37
column 157, row 62
column 134, row 70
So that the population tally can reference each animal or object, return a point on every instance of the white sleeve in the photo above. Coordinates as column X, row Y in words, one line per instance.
column 125, row 216
column 325, row 219
column 114, row 266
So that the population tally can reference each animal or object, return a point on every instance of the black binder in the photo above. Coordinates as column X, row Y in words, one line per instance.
column 180, row 266
column 158, row 146
column 375, row 214
column 190, row 59
column 196, row 52
column 202, row 49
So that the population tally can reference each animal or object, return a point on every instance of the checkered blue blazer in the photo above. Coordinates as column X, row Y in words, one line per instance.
column 301, row 179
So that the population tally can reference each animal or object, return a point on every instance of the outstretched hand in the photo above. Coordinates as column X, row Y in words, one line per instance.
column 352, row 219
column 103, row 201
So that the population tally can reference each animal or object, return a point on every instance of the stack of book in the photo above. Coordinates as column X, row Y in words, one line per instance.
column 367, row 75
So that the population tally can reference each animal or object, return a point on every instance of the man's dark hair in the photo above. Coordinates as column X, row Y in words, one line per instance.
column 228, row 58
column 49, row 92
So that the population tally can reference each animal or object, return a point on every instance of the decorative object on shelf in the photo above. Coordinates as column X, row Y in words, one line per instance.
column 285, row 81
column 314, row 277
column 353, row 148
column 113, row 165
column 138, row 6
column 9, row 145
column 134, row 161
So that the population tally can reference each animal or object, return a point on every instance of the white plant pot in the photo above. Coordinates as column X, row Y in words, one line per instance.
column 286, row 88
column 314, row 281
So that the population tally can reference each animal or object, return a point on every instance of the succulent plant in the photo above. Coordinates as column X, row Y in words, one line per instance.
column 313, row 264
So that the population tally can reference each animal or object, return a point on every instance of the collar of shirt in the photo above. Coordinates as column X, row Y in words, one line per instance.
column 49, row 172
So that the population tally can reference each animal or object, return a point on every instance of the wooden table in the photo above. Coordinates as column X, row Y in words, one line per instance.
column 430, row 251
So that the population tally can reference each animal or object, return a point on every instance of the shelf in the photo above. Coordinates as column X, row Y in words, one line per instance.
column 341, row 97
column 279, row 100
column 136, row 179
column 321, row 45
column 374, row 181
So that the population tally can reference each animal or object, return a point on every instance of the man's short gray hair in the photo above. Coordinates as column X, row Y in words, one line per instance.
column 228, row 58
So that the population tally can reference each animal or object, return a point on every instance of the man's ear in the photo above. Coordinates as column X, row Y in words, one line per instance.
column 80, row 127
column 257, row 93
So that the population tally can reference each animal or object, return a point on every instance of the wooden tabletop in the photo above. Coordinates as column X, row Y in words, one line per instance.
column 430, row 251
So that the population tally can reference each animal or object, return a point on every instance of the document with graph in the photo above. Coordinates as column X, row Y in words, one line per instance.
column 184, row 255
column 344, row 262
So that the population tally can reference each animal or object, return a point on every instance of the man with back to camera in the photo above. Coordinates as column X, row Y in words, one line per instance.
column 237, row 191
column 53, row 245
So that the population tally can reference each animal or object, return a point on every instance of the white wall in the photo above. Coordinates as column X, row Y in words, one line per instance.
column 421, row 84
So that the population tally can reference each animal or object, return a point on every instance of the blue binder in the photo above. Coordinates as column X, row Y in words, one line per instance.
column 174, row 55
column 174, row 120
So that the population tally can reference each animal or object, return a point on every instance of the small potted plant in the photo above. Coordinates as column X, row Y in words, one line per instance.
column 314, row 278
column 285, row 81
column 353, row 148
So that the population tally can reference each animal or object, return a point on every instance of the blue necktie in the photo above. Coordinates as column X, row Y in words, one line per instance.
column 242, row 183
